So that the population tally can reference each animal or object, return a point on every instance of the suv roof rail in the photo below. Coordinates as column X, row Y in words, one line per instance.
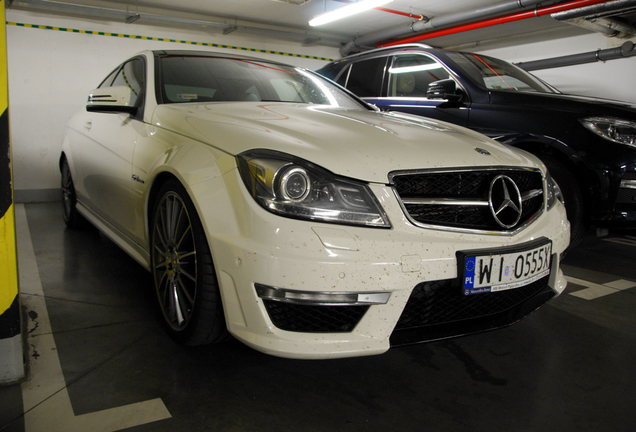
column 373, row 51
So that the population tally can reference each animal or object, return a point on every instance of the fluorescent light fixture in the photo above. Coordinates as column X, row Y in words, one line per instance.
column 346, row 11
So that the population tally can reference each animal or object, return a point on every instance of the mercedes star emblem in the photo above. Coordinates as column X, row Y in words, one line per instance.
column 505, row 201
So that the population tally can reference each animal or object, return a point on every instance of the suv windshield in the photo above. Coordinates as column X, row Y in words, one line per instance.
column 495, row 74
column 211, row 79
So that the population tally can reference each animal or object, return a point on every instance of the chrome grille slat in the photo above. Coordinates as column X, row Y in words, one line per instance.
column 459, row 200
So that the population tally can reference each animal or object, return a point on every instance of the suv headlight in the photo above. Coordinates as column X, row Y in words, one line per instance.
column 554, row 191
column 291, row 187
column 612, row 129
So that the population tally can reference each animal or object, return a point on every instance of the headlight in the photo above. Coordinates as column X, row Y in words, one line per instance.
column 291, row 187
column 554, row 191
column 612, row 129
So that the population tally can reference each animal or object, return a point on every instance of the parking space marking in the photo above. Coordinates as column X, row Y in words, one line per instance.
column 593, row 291
column 625, row 240
column 45, row 397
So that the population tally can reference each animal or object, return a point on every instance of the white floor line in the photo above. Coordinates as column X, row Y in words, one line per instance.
column 45, row 397
column 593, row 291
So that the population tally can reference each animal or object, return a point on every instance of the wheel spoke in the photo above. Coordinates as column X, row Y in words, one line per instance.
column 186, row 294
column 174, row 260
column 188, row 275
column 178, row 313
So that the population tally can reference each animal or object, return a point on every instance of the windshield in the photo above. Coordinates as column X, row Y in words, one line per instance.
column 187, row 79
column 495, row 74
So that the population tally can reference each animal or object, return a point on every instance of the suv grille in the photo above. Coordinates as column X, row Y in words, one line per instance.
column 462, row 199
column 626, row 198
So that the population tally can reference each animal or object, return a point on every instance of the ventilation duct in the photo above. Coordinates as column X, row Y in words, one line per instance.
column 369, row 41
column 626, row 50
column 599, row 18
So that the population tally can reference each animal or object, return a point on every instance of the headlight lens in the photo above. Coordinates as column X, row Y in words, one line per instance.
column 292, row 187
column 612, row 129
column 554, row 191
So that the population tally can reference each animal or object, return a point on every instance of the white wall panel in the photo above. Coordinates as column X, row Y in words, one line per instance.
column 52, row 71
column 612, row 79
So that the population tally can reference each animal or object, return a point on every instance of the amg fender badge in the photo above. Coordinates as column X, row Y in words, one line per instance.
column 136, row 178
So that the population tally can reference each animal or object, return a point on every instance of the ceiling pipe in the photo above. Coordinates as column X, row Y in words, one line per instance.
column 406, row 14
column 597, row 11
column 496, row 21
column 369, row 41
column 626, row 50
column 598, row 18
column 118, row 15
column 606, row 26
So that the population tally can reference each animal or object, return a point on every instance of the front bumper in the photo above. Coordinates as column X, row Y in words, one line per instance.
column 252, row 248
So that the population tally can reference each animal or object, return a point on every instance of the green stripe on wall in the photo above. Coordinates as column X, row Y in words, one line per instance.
column 206, row 44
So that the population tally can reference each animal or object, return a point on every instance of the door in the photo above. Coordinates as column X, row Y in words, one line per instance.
column 106, row 148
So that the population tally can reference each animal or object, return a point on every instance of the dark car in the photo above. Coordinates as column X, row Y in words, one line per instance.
column 588, row 144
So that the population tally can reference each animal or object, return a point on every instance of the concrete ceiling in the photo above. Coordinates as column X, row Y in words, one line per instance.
column 291, row 17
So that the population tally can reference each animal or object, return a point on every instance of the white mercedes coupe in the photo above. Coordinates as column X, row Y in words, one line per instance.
column 272, row 205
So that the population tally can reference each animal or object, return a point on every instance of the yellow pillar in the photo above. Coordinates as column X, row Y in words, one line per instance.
column 11, row 363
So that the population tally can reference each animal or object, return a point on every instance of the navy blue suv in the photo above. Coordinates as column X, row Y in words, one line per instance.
column 589, row 145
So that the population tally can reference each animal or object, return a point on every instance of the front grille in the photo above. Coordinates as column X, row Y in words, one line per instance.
column 626, row 198
column 314, row 319
column 440, row 302
column 460, row 199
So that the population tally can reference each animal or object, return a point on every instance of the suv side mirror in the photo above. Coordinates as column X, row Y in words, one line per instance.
column 111, row 99
column 443, row 89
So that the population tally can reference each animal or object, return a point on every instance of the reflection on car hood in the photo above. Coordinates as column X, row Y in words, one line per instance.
column 355, row 143
column 582, row 105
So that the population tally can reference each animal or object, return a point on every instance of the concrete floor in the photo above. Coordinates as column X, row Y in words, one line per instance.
column 567, row 367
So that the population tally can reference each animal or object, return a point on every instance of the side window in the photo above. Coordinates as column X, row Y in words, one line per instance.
column 342, row 79
column 132, row 76
column 365, row 77
column 109, row 79
column 410, row 75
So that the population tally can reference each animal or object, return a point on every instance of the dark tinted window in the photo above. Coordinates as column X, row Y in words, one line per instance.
column 495, row 74
column 342, row 79
column 365, row 77
column 187, row 79
column 132, row 76
column 410, row 75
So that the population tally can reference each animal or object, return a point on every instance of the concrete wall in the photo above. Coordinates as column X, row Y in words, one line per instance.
column 52, row 71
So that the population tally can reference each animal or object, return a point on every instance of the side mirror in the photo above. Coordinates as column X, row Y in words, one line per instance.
column 443, row 89
column 111, row 99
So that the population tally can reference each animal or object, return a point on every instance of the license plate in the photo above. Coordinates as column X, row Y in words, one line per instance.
column 491, row 271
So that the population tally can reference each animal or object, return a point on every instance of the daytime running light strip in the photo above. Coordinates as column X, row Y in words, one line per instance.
column 346, row 11
column 206, row 44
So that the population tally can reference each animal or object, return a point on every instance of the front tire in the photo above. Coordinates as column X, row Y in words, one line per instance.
column 184, row 277
column 72, row 218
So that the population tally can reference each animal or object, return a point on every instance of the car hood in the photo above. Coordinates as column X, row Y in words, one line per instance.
column 356, row 143
column 581, row 105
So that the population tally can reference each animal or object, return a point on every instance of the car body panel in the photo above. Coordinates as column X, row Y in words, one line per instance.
column 546, row 124
column 376, row 143
column 120, row 163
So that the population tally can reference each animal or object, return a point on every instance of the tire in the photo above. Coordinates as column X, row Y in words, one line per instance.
column 183, row 272
column 573, row 199
column 72, row 218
